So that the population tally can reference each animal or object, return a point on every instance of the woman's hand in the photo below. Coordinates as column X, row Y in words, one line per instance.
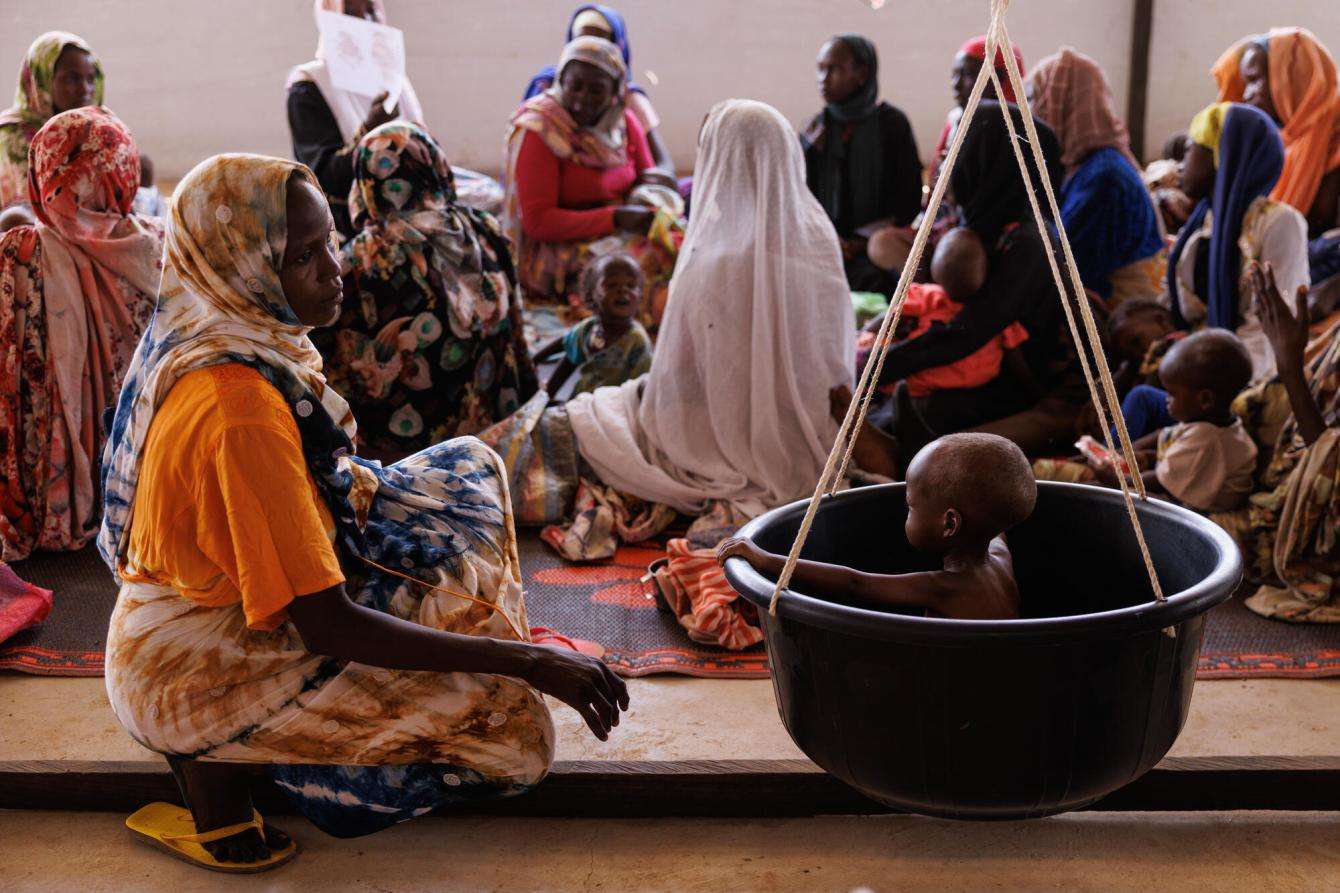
column 634, row 219
column 1286, row 330
column 378, row 115
column 1288, row 336
column 583, row 683
column 655, row 176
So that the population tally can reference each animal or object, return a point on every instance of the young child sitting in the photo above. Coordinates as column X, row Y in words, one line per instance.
column 1140, row 331
column 963, row 492
column 1204, row 457
column 610, row 347
column 148, row 201
column 959, row 269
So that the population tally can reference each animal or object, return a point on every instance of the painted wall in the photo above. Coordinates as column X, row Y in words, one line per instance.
column 195, row 77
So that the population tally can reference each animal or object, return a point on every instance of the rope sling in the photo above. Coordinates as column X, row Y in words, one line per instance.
column 1102, row 391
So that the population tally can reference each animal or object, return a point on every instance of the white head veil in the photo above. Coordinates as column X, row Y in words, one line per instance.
column 758, row 329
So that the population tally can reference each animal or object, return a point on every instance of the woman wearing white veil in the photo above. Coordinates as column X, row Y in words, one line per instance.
column 733, row 418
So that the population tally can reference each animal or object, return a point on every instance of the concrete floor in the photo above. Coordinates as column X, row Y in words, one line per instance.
column 676, row 718
column 673, row 718
column 1082, row 851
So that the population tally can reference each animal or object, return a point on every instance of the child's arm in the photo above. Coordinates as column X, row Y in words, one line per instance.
column 917, row 590
column 560, row 374
column 553, row 347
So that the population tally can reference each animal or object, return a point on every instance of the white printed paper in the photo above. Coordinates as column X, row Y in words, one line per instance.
column 363, row 57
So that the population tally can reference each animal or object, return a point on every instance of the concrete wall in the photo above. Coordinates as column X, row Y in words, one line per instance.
column 195, row 77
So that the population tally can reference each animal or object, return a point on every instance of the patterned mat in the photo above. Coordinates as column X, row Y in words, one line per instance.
column 608, row 603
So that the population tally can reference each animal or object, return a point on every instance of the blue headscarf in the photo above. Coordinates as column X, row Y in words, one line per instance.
column 618, row 36
column 1250, row 158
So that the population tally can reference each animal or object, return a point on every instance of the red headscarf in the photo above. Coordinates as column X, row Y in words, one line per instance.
column 976, row 49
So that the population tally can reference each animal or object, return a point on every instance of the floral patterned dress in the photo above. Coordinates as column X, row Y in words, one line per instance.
column 76, row 291
column 430, row 344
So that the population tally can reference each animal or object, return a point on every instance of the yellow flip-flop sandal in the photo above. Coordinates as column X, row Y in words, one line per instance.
column 171, row 829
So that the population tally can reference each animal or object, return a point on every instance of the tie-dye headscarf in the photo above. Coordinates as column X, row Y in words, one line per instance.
column 413, row 232
column 222, row 301
column 32, row 107
column 1304, row 91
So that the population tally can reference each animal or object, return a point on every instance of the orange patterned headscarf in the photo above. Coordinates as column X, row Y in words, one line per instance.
column 1303, row 89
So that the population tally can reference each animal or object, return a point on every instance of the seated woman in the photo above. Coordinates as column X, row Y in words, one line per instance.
column 1109, row 218
column 1290, row 75
column 860, row 158
column 967, row 65
column 59, row 73
column 1287, row 530
column 76, row 291
column 327, row 123
column 356, row 631
column 733, row 417
column 598, row 20
column 429, row 345
column 575, row 155
column 992, row 201
column 1234, row 159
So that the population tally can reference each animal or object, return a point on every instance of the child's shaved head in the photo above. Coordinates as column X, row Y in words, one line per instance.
column 984, row 477
column 1213, row 359
column 959, row 264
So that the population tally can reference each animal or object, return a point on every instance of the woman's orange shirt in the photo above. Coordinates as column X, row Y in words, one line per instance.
column 226, row 510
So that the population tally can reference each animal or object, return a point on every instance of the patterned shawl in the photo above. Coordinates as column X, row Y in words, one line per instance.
column 221, row 301
column 602, row 145
column 1070, row 92
column 1303, row 88
column 32, row 107
column 412, row 228
column 76, row 291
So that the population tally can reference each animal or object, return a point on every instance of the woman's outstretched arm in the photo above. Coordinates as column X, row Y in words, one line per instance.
column 333, row 625
column 1287, row 332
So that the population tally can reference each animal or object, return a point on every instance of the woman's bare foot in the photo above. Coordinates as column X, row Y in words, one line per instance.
column 219, row 795
column 875, row 451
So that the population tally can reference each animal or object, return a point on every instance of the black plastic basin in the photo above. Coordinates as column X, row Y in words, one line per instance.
column 995, row 719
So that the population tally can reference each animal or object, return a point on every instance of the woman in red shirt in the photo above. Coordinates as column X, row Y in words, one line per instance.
column 581, row 181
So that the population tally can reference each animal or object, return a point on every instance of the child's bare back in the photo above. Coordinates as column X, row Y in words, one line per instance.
column 963, row 492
